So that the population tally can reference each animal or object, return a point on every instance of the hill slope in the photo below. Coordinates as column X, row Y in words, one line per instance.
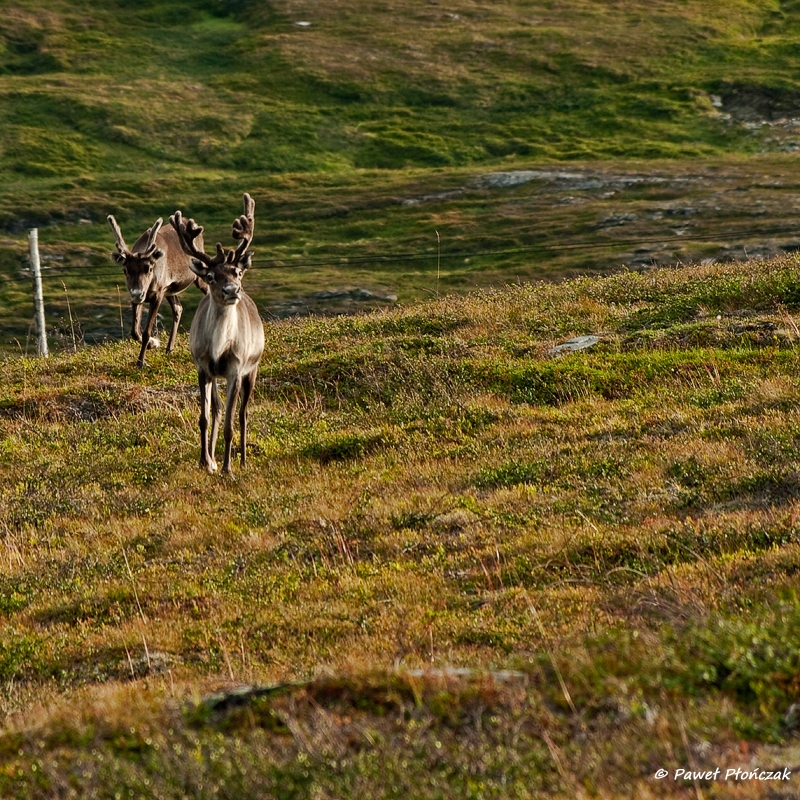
column 605, row 543
column 300, row 87
column 364, row 132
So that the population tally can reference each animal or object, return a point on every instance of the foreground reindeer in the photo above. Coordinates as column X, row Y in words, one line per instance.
column 155, row 268
column 227, row 336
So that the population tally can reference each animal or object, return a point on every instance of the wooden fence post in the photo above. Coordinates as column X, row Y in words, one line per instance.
column 38, row 300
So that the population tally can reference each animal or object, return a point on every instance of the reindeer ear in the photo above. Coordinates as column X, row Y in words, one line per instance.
column 157, row 253
column 199, row 269
column 119, row 258
column 246, row 261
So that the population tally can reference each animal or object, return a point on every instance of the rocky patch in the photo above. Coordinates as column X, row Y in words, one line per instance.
column 330, row 302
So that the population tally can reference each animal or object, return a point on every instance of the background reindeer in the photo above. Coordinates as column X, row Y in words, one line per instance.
column 227, row 335
column 156, row 267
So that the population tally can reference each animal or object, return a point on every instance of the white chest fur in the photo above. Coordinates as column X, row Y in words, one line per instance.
column 215, row 332
column 226, row 327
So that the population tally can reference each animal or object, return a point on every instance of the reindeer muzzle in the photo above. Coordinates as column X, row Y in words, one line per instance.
column 230, row 295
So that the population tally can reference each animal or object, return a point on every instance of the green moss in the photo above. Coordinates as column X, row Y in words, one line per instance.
column 345, row 446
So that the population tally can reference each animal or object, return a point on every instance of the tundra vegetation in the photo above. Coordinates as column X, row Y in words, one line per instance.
column 467, row 568
column 608, row 539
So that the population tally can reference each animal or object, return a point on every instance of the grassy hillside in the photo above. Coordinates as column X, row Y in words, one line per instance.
column 456, row 565
column 297, row 87
column 373, row 126
column 245, row 86
column 472, row 569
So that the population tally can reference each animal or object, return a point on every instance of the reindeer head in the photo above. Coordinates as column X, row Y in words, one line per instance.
column 222, row 272
column 140, row 262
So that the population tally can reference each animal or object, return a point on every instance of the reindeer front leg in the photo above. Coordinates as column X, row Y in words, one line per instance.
column 206, row 459
column 234, row 383
column 177, row 312
column 215, row 414
column 148, row 340
column 248, row 384
column 136, row 328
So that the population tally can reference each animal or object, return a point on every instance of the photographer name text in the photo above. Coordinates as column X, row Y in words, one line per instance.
column 734, row 774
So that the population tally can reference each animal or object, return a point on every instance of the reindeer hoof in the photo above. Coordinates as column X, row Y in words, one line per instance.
column 210, row 467
column 153, row 342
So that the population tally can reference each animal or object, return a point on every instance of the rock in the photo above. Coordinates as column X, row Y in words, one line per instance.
column 680, row 211
column 571, row 345
column 504, row 180
column 426, row 198
column 468, row 673
column 347, row 300
column 152, row 663
column 612, row 220
column 791, row 720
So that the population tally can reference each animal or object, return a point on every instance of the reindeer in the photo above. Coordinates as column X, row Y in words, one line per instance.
column 155, row 268
column 226, row 338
